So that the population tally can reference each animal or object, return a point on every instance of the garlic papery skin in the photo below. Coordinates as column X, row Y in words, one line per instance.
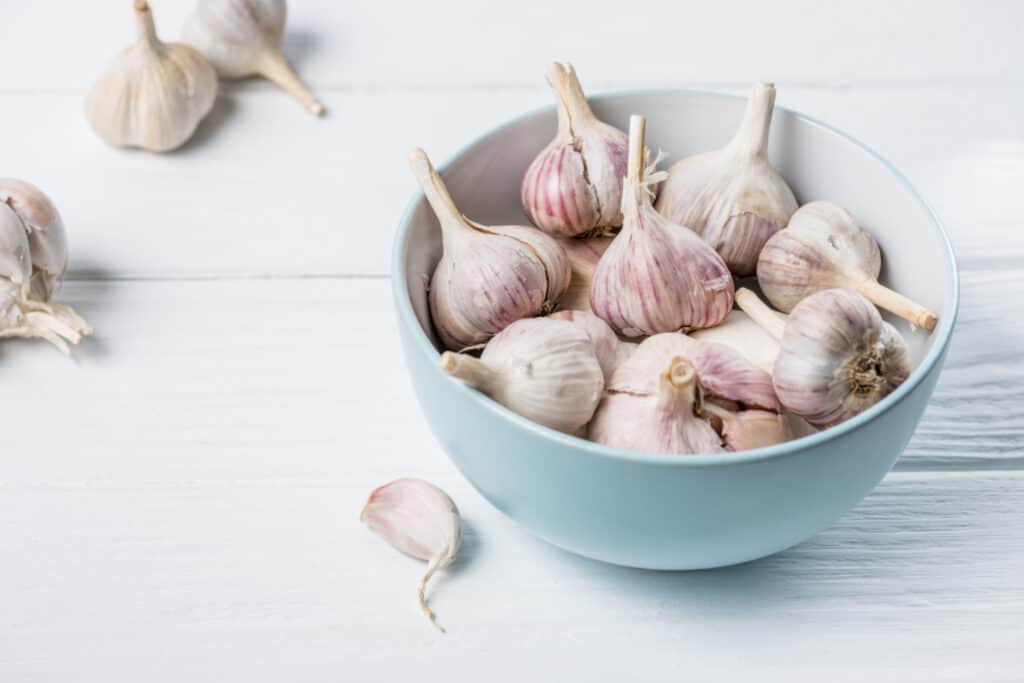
column 733, row 197
column 741, row 333
column 243, row 38
column 611, row 351
column 575, row 184
column 419, row 519
column 584, row 254
column 837, row 357
column 823, row 248
column 154, row 94
column 488, row 277
column 656, row 276
column 542, row 369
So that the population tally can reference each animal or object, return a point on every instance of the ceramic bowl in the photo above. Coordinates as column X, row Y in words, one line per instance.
column 686, row 511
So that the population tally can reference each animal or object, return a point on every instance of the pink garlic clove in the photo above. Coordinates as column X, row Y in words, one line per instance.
column 744, row 430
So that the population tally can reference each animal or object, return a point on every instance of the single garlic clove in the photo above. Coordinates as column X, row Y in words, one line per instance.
column 154, row 94
column 656, row 276
column 741, row 333
column 575, row 184
column 733, row 197
column 15, row 254
column 243, row 38
column 542, row 369
column 823, row 248
column 743, row 430
column 584, row 253
column 609, row 349
column 488, row 277
column 420, row 520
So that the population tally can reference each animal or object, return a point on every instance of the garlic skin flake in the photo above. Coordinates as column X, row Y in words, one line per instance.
column 611, row 351
column 243, row 38
column 542, row 369
column 823, row 248
column 154, row 94
column 575, row 184
column 656, row 276
column 733, row 197
column 488, row 276
column 419, row 519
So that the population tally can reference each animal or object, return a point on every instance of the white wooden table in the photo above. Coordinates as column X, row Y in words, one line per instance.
column 179, row 502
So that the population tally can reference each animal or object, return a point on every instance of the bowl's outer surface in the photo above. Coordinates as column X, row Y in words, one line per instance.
column 685, row 512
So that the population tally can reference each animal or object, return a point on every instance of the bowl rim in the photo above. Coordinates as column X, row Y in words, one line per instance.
column 407, row 317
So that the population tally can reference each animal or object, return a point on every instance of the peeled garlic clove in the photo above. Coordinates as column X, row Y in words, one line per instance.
column 575, row 184
column 837, row 356
column 420, row 520
column 733, row 197
column 542, row 369
column 656, row 276
column 488, row 277
column 243, row 38
column 154, row 94
column 609, row 349
column 823, row 248
column 584, row 254
column 741, row 333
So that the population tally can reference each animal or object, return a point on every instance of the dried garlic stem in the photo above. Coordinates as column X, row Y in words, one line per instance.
column 470, row 370
column 275, row 68
column 759, row 311
column 637, row 133
column 905, row 308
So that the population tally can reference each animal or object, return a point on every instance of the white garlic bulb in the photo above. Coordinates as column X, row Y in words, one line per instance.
column 823, row 248
column 733, row 197
column 656, row 276
column 837, row 357
column 611, row 351
column 243, row 38
column 575, row 184
column 154, row 94
column 542, row 369
column 419, row 519
column 488, row 276
column 584, row 253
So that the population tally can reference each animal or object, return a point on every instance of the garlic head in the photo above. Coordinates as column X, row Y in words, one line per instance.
column 47, row 238
column 611, row 351
column 584, row 254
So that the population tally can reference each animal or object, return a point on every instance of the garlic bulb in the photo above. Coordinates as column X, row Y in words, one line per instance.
column 154, row 94
column 420, row 520
column 575, row 184
column 837, row 356
column 656, row 276
column 584, row 254
column 243, row 38
column 488, row 277
column 542, row 369
column 733, row 197
column 823, row 248
column 741, row 333
column 611, row 351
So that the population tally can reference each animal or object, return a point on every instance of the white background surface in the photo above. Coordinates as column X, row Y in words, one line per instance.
column 180, row 500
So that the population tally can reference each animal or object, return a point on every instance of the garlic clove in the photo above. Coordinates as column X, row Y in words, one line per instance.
column 243, row 38
column 741, row 333
column 823, row 248
column 47, row 238
column 154, row 94
column 609, row 349
column 733, row 197
column 542, row 369
column 743, row 430
column 575, row 184
column 584, row 253
column 488, row 277
column 656, row 276
column 420, row 520
column 15, row 258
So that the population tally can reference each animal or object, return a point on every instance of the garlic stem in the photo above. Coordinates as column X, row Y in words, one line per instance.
column 144, row 27
column 274, row 67
column 470, row 370
column 759, row 312
column 905, row 308
column 635, row 168
column 573, row 107
column 435, row 191
column 751, row 139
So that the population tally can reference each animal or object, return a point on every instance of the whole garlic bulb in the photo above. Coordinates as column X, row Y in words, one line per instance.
column 823, row 248
column 837, row 357
column 584, row 254
column 542, row 369
column 733, row 197
column 575, row 184
column 656, row 276
column 243, row 38
column 488, row 276
column 611, row 351
column 154, row 94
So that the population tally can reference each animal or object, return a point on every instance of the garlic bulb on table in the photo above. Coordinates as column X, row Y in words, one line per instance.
column 656, row 276
column 488, row 276
column 575, row 184
column 243, row 38
column 154, row 94
column 611, row 351
column 837, row 357
column 584, row 253
column 823, row 248
column 733, row 197
column 542, row 369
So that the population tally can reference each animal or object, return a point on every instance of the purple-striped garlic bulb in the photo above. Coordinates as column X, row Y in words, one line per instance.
column 611, row 351
column 733, row 197
column 575, row 184
column 488, row 276
column 837, row 357
column 584, row 254
column 823, row 248
column 656, row 276
column 709, row 400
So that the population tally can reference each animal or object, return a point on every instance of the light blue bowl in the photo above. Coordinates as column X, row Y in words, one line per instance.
column 681, row 512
